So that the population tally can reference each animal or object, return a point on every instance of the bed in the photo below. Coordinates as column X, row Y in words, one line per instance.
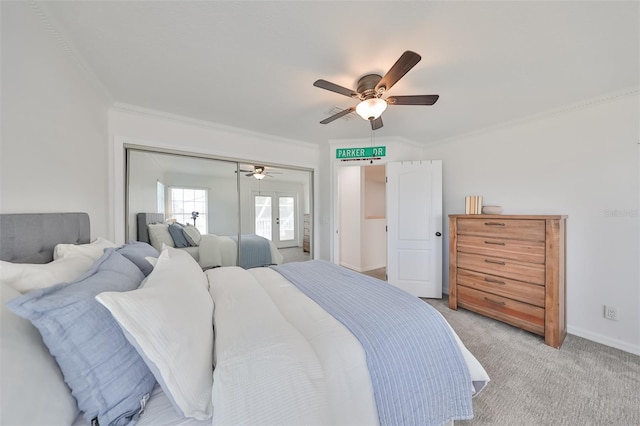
column 291, row 345
column 209, row 250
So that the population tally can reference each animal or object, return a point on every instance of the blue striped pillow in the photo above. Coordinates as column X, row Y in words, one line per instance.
column 175, row 229
column 106, row 374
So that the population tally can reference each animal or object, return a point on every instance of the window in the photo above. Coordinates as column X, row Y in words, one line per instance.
column 187, row 202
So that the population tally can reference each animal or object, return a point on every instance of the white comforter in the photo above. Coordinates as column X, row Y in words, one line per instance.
column 216, row 250
column 281, row 359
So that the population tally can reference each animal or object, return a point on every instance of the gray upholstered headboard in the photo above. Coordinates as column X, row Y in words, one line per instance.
column 143, row 219
column 31, row 237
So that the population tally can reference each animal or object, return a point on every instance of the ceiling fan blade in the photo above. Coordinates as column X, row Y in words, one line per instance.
column 327, row 85
column 413, row 100
column 249, row 174
column 376, row 124
column 402, row 66
column 338, row 115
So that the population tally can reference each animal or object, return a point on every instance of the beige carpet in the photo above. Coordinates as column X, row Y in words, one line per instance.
column 583, row 383
column 294, row 254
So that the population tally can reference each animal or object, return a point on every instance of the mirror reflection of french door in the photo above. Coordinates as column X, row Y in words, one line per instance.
column 275, row 218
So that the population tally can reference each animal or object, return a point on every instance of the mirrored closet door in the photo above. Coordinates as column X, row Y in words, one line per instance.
column 250, row 214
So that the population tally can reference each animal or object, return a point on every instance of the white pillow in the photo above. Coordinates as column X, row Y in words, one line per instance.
column 94, row 250
column 33, row 390
column 192, row 234
column 159, row 234
column 151, row 260
column 25, row 277
column 170, row 322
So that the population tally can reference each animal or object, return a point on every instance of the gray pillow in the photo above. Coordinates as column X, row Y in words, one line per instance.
column 106, row 374
column 192, row 235
column 175, row 229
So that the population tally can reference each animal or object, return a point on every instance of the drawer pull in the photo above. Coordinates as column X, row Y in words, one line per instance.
column 493, row 301
column 494, row 223
column 495, row 243
column 494, row 281
column 494, row 261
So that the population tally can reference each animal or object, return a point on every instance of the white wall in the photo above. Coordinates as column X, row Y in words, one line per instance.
column 374, row 221
column 129, row 125
column 54, row 125
column 582, row 162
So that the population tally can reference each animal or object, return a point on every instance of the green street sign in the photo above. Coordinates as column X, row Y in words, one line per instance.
column 370, row 152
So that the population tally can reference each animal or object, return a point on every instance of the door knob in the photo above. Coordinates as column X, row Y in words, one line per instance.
column 438, row 234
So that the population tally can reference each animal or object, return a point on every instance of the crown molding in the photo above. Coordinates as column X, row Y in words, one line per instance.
column 180, row 119
column 563, row 110
column 54, row 28
column 375, row 141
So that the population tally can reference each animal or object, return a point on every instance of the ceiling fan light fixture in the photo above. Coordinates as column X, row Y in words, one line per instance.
column 372, row 108
column 259, row 176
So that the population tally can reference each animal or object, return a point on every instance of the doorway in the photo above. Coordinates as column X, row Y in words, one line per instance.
column 410, row 219
column 275, row 218
column 362, row 235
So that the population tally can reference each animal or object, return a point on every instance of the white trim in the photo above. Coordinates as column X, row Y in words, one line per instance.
column 376, row 141
column 605, row 340
column 566, row 109
column 119, row 106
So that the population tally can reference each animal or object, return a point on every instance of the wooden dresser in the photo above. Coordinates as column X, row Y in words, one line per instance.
column 306, row 233
column 511, row 268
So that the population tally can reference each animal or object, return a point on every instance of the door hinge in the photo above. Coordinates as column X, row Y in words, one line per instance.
column 386, row 228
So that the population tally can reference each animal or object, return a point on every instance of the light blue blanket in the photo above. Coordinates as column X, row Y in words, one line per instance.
column 254, row 251
column 418, row 373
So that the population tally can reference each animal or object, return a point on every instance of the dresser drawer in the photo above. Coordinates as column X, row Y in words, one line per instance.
column 526, row 251
column 525, row 316
column 532, row 294
column 519, row 229
column 521, row 271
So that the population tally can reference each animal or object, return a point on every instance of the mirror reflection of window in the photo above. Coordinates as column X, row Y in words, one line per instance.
column 160, row 196
column 287, row 218
column 263, row 216
column 189, row 205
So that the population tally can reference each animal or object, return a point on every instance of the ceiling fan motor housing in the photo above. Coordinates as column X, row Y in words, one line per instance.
column 367, row 86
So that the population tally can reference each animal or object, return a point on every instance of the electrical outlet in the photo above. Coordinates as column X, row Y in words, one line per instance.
column 610, row 312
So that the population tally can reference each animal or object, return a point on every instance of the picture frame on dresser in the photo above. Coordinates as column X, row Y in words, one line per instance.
column 511, row 268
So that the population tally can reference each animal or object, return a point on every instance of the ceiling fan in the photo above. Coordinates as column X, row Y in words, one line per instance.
column 371, row 87
column 259, row 172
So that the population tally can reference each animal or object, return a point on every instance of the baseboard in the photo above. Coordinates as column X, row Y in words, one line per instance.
column 360, row 269
column 598, row 338
column 353, row 268
column 372, row 267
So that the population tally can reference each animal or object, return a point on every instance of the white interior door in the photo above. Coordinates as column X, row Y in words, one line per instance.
column 414, row 227
column 275, row 218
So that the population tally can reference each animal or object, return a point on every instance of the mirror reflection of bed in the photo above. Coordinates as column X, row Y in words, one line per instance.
column 229, row 201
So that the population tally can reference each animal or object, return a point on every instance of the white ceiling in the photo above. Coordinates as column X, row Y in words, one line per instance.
column 251, row 64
